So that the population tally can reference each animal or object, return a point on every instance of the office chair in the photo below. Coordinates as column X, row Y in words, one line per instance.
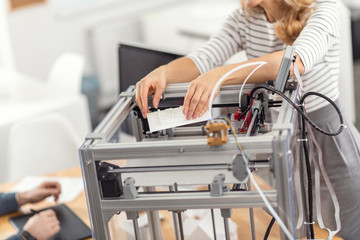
column 67, row 72
column 42, row 145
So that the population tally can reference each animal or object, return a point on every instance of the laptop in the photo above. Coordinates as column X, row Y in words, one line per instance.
column 136, row 60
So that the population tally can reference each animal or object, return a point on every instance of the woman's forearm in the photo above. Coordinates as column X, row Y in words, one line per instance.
column 181, row 70
column 197, row 97
column 267, row 72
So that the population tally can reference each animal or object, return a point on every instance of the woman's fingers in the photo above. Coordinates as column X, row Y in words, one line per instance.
column 157, row 95
column 138, row 96
column 189, row 94
column 205, row 108
column 144, row 93
column 196, row 104
column 155, row 81
column 196, row 101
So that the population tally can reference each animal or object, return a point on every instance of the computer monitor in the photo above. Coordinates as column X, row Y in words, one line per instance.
column 136, row 60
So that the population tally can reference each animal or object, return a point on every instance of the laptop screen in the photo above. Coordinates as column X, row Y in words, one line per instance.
column 136, row 62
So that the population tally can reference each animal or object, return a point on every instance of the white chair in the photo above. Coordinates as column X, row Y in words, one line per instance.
column 42, row 145
column 67, row 72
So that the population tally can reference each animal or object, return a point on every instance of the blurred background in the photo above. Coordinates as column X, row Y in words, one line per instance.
column 61, row 57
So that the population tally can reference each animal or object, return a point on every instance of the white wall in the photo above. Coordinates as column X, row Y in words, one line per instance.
column 188, row 26
column 107, row 29
column 106, row 58
column 40, row 33
column 352, row 4
column 6, row 54
column 346, row 76
column 37, row 39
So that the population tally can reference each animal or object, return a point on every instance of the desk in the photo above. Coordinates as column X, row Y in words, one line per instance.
column 22, row 97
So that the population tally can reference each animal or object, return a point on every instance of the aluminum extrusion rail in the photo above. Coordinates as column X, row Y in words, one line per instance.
column 198, row 200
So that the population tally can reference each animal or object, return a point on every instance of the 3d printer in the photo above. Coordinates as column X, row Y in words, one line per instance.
column 203, row 153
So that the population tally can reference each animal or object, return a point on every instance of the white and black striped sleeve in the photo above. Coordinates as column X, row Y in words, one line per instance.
column 220, row 47
column 322, row 30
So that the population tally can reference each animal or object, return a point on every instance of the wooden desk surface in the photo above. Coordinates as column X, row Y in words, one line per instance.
column 240, row 216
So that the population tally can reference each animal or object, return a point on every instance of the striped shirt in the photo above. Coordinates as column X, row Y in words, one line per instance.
column 317, row 45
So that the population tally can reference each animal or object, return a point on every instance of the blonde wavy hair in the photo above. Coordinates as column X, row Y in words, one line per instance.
column 295, row 14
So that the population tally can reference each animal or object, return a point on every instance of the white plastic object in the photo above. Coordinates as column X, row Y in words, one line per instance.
column 67, row 72
column 217, row 85
column 42, row 145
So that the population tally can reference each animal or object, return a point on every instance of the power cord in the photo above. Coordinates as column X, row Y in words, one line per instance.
column 309, row 178
column 302, row 99
column 267, row 233
column 301, row 111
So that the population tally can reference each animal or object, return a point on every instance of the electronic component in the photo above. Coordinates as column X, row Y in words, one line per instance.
column 216, row 131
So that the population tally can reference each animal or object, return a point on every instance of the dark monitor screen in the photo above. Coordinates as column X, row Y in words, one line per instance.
column 136, row 62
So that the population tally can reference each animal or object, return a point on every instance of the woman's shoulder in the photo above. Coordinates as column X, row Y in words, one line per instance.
column 326, row 12
column 325, row 4
column 325, row 1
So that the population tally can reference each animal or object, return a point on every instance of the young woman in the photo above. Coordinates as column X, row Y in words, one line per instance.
column 263, row 28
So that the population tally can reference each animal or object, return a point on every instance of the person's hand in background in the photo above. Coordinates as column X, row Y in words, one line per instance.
column 43, row 225
column 39, row 193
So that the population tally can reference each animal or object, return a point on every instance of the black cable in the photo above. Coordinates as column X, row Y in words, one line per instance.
column 302, row 179
column 300, row 110
column 244, row 112
column 267, row 233
column 308, row 171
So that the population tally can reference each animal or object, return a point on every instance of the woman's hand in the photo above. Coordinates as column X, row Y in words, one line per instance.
column 197, row 98
column 177, row 71
column 39, row 193
column 154, row 82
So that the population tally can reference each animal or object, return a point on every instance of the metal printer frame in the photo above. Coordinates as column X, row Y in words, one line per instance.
column 109, row 193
